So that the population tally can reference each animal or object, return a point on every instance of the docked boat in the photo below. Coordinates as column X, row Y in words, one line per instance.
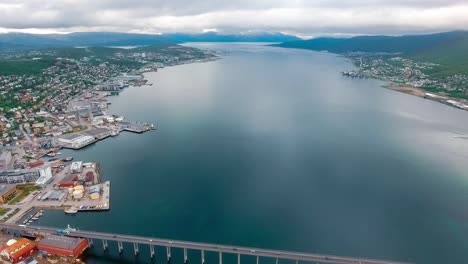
column 51, row 154
column 68, row 159
column 71, row 210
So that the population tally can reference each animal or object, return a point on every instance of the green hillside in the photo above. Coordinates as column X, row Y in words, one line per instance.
column 450, row 49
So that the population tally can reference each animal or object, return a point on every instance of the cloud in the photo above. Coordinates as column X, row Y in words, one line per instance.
column 313, row 17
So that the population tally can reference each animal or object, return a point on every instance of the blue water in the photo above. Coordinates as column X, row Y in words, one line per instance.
column 273, row 148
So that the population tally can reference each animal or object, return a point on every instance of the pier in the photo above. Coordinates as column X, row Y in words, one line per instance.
column 152, row 243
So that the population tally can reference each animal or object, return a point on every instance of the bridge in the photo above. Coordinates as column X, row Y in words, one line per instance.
column 152, row 243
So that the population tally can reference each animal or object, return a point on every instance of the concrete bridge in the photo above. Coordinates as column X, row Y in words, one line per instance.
column 152, row 243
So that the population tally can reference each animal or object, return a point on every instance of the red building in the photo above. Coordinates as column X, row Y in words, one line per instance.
column 63, row 246
column 68, row 181
column 35, row 164
column 20, row 250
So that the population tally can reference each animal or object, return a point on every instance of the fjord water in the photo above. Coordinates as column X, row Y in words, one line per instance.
column 273, row 148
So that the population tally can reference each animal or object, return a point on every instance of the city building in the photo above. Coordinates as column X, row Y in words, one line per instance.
column 46, row 176
column 19, row 176
column 7, row 192
column 63, row 246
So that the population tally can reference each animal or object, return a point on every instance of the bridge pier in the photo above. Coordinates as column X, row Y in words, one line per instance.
column 120, row 245
column 277, row 260
column 168, row 253
column 104, row 245
column 135, row 248
column 152, row 253
column 185, row 256
column 258, row 260
column 238, row 258
column 220, row 257
column 90, row 242
column 203, row 257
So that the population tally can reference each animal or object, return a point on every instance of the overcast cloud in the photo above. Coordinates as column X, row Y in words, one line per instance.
column 301, row 17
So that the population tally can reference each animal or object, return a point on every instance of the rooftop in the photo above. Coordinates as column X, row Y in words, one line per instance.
column 60, row 242
column 5, row 188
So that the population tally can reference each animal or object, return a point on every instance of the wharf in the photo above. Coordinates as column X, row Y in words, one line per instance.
column 135, row 127
column 56, row 197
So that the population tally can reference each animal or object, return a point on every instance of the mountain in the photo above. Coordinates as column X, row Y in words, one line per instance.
column 448, row 48
column 216, row 37
column 410, row 44
column 23, row 40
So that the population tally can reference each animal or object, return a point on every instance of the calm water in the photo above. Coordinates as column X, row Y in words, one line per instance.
column 273, row 148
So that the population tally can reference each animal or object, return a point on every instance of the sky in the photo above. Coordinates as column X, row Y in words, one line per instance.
column 298, row 17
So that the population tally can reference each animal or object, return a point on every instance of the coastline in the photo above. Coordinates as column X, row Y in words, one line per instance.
column 419, row 92
column 91, row 95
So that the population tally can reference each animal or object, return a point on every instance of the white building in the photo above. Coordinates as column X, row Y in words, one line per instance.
column 76, row 140
column 45, row 176
column 76, row 167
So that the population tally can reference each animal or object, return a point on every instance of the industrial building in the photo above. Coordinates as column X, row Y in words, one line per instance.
column 99, row 133
column 53, row 196
column 7, row 192
column 62, row 246
column 94, row 192
column 68, row 181
column 76, row 140
column 19, row 250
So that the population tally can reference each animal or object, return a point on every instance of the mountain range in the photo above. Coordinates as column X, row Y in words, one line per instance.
column 24, row 40
column 448, row 48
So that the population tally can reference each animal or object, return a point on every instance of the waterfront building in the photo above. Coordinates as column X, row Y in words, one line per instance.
column 7, row 192
column 76, row 167
column 62, row 246
column 68, row 181
column 76, row 140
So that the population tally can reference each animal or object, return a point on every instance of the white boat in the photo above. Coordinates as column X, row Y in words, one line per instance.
column 71, row 210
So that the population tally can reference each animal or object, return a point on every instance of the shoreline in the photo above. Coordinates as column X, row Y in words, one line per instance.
column 112, row 129
column 419, row 92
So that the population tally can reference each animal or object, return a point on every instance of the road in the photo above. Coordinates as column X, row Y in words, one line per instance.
column 275, row 254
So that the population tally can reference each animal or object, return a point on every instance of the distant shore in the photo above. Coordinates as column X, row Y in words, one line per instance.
column 457, row 103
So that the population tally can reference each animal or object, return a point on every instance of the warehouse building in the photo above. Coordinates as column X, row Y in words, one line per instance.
column 19, row 250
column 7, row 192
column 69, row 181
column 62, row 246
column 76, row 140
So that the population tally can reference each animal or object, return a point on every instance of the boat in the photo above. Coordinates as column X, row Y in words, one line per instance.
column 68, row 159
column 51, row 154
column 71, row 210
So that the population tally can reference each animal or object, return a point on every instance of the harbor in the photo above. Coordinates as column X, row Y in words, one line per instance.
column 71, row 187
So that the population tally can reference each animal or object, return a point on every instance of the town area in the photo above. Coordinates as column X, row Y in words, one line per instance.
column 54, row 99
column 417, row 78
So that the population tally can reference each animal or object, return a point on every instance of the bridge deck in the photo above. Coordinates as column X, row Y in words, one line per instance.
column 277, row 254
